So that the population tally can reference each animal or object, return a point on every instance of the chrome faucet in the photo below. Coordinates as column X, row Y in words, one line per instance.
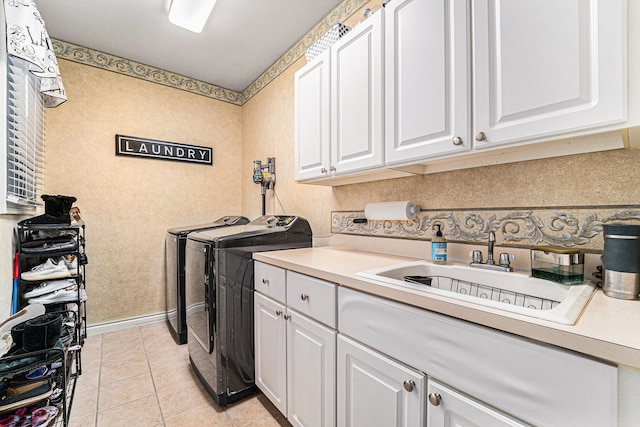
column 503, row 262
column 492, row 241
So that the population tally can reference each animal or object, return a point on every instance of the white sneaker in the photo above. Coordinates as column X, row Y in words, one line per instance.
column 47, row 270
column 62, row 295
column 47, row 287
column 71, row 261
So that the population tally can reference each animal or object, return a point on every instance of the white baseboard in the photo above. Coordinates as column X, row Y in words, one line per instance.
column 122, row 324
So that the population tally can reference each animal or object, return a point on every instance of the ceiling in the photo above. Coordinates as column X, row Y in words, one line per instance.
column 241, row 40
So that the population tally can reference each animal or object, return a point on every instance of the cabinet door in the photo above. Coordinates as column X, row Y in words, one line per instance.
column 427, row 79
column 312, row 113
column 271, row 350
column 374, row 390
column 449, row 408
column 311, row 372
column 546, row 67
column 356, row 98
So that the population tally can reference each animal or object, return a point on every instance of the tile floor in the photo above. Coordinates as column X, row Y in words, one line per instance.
column 141, row 377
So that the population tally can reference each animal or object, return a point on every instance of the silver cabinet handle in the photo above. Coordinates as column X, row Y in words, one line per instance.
column 481, row 136
column 287, row 316
column 323, row 170
column 332, row 169
column 304, row 297
column 434, row 399
column 278, row 313
column 265, row 281
column 409, row 385
column 457, row 141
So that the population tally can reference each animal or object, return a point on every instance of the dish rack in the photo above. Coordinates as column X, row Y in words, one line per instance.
column 483, row 291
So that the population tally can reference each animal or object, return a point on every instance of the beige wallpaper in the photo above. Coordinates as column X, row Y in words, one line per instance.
column 129, row 203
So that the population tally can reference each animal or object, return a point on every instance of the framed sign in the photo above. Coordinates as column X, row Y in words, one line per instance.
column 163, row 150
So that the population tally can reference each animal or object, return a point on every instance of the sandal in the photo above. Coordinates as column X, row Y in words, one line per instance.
column 9, row 421
column 43, row 416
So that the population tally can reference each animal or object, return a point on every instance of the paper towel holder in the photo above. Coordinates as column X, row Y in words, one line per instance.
column 402, row 211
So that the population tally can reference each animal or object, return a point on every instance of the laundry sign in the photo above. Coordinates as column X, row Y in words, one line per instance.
column 142, row 147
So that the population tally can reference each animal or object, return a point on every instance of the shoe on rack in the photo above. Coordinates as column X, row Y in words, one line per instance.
column 71, row 261
column 25, row 395
column 48, row 287
column 50, row 269
column 45, row 415
column 67, row 242
column 62, row 295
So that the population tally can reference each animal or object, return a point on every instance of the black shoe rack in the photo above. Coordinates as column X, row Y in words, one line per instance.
column 36, row 244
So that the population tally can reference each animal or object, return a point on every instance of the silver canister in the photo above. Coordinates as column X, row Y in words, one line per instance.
column 621, row 261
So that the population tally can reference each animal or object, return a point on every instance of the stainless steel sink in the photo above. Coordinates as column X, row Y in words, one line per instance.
column 508, row 291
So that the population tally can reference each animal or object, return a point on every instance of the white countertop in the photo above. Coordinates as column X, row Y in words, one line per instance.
column 606, row 329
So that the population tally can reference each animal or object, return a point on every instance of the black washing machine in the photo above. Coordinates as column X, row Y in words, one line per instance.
column 175, row 241
column 219, row 276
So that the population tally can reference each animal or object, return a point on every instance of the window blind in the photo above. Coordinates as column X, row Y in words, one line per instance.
column 25, row 134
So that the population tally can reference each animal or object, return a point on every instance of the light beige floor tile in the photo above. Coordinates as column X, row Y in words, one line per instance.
column 247, row 411
column 171, row 373
column 205, row 415
column 182, row 398
column 82, row 421
column 121, row 354
column 267, row 421
column 121, row 337
column 112, row 371
column 85, row 403
column 90, row 377
column 161, row 357
column 142, row 377
column 124, row 391
column 142, row 412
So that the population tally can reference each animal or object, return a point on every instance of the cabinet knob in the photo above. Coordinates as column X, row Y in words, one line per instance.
column 265, row 281
column 287, row 316
column 435, row 399
column 323, row 170
column 481, row 136
column 457, row 141
column 332, row 169
column 279, row 313
column 304, row 297
column 409, row 385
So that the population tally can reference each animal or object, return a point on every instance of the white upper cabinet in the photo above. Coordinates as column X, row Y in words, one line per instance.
column 432, row 85
column 427, row 78
column 312, row 125
column 339, row 110
column 547, row 67
column 357, row 98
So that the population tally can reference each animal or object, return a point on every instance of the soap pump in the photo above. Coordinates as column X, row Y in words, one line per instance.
column 438, row 246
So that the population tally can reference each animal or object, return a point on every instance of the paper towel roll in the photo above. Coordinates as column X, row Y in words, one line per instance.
column 391, row 210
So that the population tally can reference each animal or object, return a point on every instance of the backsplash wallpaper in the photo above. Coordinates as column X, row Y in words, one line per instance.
column 563, row 227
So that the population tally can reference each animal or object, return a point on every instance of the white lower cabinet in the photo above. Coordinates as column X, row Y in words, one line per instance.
column 328, row 355
column 271, row 350
column 311, row 367
column 449, row 408
column 374, row 390
column 295, row 354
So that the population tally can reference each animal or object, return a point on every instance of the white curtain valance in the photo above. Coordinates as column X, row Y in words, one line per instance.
column 28, row 39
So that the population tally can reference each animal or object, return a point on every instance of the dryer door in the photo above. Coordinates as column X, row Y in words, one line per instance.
column 197, row 294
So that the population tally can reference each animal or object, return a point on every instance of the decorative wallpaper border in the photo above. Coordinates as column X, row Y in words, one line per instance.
column 564, row 227
column 129, row 68
column 105, row 61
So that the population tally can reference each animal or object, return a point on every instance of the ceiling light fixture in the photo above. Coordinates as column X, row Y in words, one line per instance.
column 190, row 14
